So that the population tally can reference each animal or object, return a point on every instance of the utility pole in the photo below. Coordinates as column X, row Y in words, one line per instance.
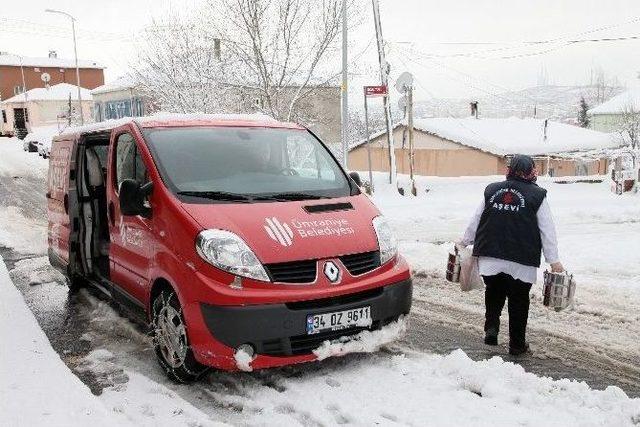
column 75, row 52
column 384, row 77
column 345, row 91
column 26, row 97
column 414, row 191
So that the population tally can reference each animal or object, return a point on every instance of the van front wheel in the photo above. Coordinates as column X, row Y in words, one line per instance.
column 170, row 339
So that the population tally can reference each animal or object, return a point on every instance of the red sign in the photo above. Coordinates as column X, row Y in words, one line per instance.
column 375, row 91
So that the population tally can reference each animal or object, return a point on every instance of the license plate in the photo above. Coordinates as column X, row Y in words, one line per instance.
column 338, row 320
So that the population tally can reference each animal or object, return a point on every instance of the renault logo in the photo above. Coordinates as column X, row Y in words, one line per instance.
column 332, row 272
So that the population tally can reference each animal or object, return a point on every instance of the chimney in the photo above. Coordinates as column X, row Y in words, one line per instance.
column 53, row 54
column 216, row 49
column 474, row 108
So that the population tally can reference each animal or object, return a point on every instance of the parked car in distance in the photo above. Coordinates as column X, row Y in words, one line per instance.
column 39, row 140
column 240, row 240
column 29, row 144
column 44, row 148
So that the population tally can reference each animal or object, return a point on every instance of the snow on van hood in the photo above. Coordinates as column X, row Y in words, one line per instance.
column 285, row 231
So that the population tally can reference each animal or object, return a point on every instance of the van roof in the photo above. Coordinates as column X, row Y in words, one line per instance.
column 184, row 120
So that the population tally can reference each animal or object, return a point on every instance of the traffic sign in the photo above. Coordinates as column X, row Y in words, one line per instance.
column 375, row 91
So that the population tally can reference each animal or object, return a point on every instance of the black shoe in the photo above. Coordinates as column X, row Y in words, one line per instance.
column 517, row 351
column 491, row 337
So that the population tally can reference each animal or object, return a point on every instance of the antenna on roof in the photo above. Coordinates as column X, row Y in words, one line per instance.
column 46, row 78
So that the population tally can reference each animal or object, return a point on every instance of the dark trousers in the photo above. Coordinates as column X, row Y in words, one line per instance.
column 498, row 288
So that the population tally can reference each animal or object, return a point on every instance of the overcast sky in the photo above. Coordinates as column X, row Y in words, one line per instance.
column 426, row 37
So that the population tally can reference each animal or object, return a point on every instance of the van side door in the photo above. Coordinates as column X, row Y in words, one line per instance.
column 59, row 232
column 132, row 243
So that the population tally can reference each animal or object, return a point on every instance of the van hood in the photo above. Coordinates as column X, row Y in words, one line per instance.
column 287, row 231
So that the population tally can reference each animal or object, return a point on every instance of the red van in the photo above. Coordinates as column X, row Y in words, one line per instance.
column 227, row 234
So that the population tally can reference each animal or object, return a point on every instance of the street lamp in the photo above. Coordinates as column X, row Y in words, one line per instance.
column 75, row 52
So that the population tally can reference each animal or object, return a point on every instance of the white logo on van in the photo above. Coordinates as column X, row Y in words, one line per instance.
column 279, row 231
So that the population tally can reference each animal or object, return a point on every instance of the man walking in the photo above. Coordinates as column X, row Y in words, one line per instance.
column 509, row 230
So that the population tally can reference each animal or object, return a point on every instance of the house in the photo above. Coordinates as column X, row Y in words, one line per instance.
column 45, row 106
column 471, row 146
column 118, row 99
column 320, row 108
column 608, row 117
column 59, row 70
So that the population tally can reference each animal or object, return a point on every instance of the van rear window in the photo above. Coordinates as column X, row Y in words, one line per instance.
column 246, row 161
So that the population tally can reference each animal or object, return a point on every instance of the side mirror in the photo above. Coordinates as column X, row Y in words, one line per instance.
column 132, row 196
column 355, row 176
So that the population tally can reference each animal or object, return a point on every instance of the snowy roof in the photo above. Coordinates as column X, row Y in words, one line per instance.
column 629, row 99
column 164, row 117
column 121, row 83
column 16, row 60
column 59, row 92
column 514, row 135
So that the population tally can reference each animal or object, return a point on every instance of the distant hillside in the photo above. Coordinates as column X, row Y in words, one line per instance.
column 558, row 103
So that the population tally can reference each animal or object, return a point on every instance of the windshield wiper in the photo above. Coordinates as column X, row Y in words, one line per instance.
column 291, row 196
column 217, row 195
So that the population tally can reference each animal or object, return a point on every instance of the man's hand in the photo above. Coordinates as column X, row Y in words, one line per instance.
column 557, row 267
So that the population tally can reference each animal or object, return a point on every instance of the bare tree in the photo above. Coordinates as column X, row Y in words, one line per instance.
column 603, row 87
column 179, row 69
column 629, row 131
column 274, row 54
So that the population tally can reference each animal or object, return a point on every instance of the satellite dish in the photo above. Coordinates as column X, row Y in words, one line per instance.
column 45, row 77
column 404, row 81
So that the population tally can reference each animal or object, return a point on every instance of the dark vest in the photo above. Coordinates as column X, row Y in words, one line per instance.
column 508, row 227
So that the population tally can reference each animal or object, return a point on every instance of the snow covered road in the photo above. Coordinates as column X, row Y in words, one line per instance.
column 402, row 385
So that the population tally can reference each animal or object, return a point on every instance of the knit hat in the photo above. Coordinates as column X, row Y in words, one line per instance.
column 522, row 167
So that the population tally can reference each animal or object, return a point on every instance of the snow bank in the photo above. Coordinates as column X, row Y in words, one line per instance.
column 418, row 389
column 364, row 342
column 36, row 387
column 14, row 161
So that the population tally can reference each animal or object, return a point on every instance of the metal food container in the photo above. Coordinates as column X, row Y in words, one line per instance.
column 453, row 266
column 559, row 290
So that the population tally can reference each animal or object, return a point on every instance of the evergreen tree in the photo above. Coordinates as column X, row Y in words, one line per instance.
column 583, row 117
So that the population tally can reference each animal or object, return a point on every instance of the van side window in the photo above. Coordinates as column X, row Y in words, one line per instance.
column 129, row 163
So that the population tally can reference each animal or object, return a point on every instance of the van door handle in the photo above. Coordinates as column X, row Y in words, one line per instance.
column 112, row 214
column 48, row 195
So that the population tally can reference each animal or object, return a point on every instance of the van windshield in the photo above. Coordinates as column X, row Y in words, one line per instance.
column 246, row 164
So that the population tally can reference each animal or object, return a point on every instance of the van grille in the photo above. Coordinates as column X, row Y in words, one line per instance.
column 305, row 344
column 361, row 263
column 292, row 272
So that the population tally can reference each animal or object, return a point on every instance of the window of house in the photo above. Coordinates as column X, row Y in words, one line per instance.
column 17, row 90
column 36, row 69
column 128, row 162
column 4, row 116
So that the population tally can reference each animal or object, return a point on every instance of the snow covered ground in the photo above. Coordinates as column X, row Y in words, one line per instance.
column 598, row 238
column 396, row 386
column 32, row 374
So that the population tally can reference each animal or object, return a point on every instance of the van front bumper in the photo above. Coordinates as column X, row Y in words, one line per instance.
column 279, row 330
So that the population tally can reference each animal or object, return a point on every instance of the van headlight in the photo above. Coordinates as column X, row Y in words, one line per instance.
column 386, row 239
column 227, row 251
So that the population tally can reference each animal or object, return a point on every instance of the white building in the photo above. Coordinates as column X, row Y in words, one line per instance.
column 608, row 116
column 43, row 107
